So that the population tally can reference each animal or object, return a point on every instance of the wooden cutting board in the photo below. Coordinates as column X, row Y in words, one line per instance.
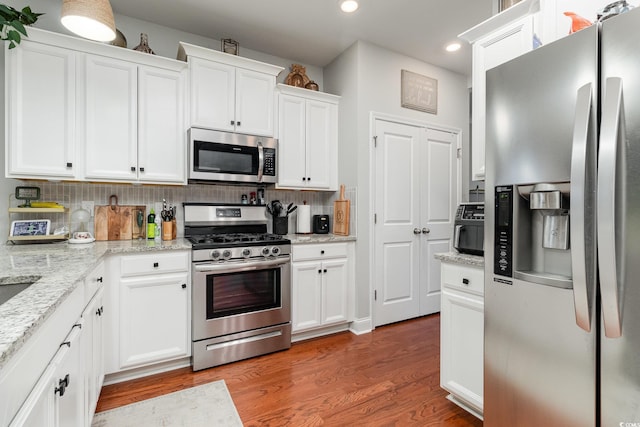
column 341, row 214
column 118, row 222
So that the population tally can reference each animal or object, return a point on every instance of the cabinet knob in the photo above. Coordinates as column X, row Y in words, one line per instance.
column 99, row 279
column 133, row 168
column 238, row 124
column 233, row 122
column 304, row 178
column 308, row 178
column 319, row 271
column 322, row 252
column 465, row 281
column 156, row 265
column 141, row 169
column 324, row 271
column 69, row 164
column 184, row 286
column 425, row 230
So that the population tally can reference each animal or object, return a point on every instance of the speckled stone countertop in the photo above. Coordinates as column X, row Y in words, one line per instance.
column 59, row 268
column 318, row 238
column 458, row 258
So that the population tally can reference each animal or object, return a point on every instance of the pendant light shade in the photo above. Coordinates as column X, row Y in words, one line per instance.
column 91, row 19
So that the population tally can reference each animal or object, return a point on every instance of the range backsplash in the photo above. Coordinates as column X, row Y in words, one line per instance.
column 73, row 194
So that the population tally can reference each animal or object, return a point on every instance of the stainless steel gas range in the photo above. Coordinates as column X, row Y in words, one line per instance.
column 241, row 276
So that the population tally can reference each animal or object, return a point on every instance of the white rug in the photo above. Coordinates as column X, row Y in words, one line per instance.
column 205, row 405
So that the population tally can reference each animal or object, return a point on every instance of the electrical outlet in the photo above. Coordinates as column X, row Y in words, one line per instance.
column 88, row 205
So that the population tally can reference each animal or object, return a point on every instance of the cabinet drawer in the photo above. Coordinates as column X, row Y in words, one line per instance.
column 318, row 251
column 154, row 263
column 464, row 278
column 93, row 281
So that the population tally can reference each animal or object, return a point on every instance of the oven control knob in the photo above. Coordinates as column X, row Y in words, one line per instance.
column 226, row 254
column 265, row 251
column 215, row 254
column 275, row 251
column 246, row 252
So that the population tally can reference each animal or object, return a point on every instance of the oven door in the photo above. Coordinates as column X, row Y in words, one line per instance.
column 235, row 297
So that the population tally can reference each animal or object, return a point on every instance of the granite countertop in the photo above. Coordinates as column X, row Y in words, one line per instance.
column 59, row 269
column 319, row 238
column 458, row 258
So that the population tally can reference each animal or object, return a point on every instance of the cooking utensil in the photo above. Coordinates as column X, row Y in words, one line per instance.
column 291, row 209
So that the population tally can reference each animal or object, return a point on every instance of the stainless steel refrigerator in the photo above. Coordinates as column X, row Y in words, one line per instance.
column 562, row 232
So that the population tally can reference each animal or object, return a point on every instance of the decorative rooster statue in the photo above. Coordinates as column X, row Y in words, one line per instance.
column 577, row 22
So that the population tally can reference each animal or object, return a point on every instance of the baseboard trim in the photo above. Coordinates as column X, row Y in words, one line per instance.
column 131, row 374
column 361, row 326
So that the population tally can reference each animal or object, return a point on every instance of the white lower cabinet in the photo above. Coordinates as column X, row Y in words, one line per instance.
column 321, row 286
column 67, row 391
column 462, row 335
column 151, row 321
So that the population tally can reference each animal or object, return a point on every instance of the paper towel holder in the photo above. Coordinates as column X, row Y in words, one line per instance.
column 303, row 219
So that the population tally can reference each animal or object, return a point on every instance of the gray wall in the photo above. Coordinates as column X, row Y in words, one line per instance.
column 368, row 79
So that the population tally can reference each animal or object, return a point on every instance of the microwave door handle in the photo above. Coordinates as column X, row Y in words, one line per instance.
column 260, row 161
column 456, row 237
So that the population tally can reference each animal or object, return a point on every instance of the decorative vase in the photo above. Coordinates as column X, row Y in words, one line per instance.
column 312, row 86
column 144, row 45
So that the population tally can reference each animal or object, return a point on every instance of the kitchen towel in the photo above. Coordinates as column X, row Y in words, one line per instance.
column 303, row 221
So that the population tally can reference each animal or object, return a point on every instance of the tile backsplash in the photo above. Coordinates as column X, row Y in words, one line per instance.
column 73, row 194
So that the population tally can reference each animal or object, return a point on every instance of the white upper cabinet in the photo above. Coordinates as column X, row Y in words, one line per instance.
column 229, row 92
column 40, row 112
column 499, row 39
column 79, row 110
column 307, row 139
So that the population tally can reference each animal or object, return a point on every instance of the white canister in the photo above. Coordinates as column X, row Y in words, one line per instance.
column 303, row 222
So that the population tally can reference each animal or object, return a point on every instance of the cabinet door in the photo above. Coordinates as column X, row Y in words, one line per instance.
column 291, row 142
column 111, row 119
column 40, row 116
column 306, row 278
column 69, row 398
column 212, row 94
column 93, row 352
column 38, row 410
column 335, row 297
column 321, row 138
column 462, row 346
column 491, row 51
column 154, row 319
column 161, row 126
column 255, row 98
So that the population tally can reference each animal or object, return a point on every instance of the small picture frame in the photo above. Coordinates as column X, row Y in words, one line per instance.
column 35, row 227
column 419, row 92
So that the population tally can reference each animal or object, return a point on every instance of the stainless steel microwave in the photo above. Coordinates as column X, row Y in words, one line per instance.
column 231, row 157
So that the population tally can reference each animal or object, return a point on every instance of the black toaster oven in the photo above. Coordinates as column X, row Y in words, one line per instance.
column 468, row 230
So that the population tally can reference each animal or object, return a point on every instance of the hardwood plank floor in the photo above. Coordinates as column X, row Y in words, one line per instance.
column 390, row 377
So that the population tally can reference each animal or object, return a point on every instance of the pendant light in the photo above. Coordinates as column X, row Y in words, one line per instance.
column 91, row 19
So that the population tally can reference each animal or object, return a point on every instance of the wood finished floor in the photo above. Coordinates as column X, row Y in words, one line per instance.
column 389, row 377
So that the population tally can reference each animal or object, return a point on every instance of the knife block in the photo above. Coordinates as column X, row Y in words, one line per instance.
column 280, row 225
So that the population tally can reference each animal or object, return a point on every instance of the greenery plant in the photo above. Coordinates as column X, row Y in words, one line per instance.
column 13, row 22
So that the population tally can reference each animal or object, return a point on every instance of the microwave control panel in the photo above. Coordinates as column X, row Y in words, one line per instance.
column 503, row 239
column 269, row 162
column 470, row 212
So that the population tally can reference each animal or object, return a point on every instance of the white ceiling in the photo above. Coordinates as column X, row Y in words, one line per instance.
column 316, row 31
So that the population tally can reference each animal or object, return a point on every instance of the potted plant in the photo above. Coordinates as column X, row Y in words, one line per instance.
column 13, row 22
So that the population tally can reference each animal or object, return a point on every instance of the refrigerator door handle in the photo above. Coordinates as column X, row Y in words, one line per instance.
column 611, row 228
column 582, row 198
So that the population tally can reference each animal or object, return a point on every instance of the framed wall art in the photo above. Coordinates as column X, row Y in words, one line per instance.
column 419, row 92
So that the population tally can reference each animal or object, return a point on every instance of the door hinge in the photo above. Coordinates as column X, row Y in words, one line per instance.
column 375, row 295
column 375, row 218
column 375, row 141
column 459, row 153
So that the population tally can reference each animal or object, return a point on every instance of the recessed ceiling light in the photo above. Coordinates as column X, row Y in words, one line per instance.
column 348, row 6
column 452, row 47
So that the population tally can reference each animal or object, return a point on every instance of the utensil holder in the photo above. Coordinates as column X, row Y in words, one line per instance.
column 167, row 230
column 280, row 225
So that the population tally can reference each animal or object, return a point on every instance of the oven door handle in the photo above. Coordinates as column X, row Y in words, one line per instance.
column 238, row 267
